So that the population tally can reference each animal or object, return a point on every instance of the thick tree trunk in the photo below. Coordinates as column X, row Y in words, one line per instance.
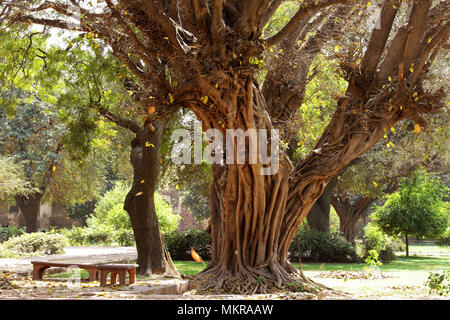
column 254, row 218
column 319, row 216
column 349, row 211
column 30, row 207
column 247, row 211
column 153, row 257
column 348, row 230
column 246, row 216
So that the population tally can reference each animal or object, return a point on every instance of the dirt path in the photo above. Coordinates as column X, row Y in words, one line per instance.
column 22, row 266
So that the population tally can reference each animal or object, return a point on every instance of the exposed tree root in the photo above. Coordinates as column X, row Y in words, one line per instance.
column 216, row 280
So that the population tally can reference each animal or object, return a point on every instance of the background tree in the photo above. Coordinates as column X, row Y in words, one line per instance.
column 89, row 141
column 109, row 99
column 32, row 130
column 415, row 210
column 378, row 172
column 12, row 179
column 210, row 50
column 35, row 139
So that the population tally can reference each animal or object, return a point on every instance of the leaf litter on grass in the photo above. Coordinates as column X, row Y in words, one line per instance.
column 353, row 275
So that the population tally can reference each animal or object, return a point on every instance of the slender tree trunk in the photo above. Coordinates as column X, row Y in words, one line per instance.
column 407, row 245
column 30, row 207
column 153, row 257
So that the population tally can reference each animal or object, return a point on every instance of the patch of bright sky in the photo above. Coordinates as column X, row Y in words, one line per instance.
column 59, row 37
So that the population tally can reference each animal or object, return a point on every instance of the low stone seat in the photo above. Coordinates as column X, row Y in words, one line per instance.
column 93, row 269
column 117, row 269
column 39, row 268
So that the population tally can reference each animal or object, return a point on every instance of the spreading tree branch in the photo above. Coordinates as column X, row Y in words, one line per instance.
column 302, row 12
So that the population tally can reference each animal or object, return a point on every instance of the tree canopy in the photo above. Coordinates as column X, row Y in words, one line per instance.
column 218, row 59
column 417, row 209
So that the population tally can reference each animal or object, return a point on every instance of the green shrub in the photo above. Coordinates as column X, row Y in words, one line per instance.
column 444, row 240
column 179, row 244
column 31, row 244
column 75, row 235
column 102, row 235
column 125, row 238
column 109, row 211
column 9, row 232
column 7, row 253
column 385, row 246
column 373, row 259
column 439, row 282
column 110, row 224
column 321, row 246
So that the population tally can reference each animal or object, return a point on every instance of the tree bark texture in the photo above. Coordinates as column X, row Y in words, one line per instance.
column 319, row 216
column 153, row 257
column 407, row 245
column 247, row 208
column 350, row 210
column 30, row 208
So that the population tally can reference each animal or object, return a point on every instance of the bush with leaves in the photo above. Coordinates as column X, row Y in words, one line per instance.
column 103, row 235
column 375, row 239
column 321, row 246
column 33, row 244
column 110, row 224
column 179, row 244
column 444, row 239
column 373, row 259
column 9, row 232
column 439, row 282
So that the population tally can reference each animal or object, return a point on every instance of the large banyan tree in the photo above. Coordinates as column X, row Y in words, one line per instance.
column 204, row 55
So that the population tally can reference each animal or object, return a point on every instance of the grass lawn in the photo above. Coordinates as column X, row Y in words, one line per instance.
column 418, row 248
column 406, row 277
column 412, row 263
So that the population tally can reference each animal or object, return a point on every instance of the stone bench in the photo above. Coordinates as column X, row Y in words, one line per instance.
column 93, row 269
column 117, row 269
